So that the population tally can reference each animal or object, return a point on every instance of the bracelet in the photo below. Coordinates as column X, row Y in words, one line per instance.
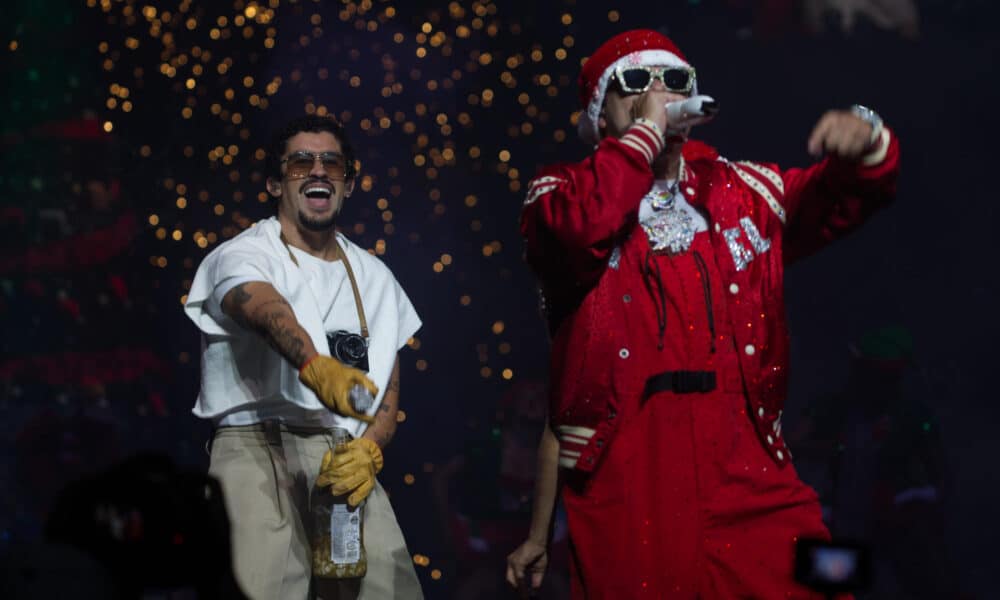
column 651, row 124
column 871, row 117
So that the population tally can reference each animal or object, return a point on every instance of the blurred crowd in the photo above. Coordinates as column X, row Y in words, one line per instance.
column 81, row 371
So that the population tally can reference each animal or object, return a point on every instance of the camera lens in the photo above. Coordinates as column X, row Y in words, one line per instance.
column 352, row 347
column 349, row 348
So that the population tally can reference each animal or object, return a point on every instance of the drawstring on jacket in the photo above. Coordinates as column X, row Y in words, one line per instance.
column 651, row 273
column 707, row 289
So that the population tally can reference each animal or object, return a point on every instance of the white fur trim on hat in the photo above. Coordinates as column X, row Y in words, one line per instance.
column 587, row 125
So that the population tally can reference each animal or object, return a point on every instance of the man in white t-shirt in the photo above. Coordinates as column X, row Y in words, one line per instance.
column 274, row 305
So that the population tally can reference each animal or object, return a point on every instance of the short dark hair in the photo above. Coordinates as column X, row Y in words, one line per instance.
column 308, row 124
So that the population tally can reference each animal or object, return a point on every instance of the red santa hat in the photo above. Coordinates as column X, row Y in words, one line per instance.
column 636, row 47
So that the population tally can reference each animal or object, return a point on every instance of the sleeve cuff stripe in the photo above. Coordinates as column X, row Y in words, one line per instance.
column 637, row 143
column 568, row 463
column 577, row 430
column 572, row 439
column 653, row 136
column 638, row 146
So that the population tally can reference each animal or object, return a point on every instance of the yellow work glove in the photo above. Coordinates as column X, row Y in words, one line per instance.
column 351, row 467
column 332, row 381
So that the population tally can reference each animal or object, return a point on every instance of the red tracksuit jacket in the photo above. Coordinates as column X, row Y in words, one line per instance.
column 585, row 245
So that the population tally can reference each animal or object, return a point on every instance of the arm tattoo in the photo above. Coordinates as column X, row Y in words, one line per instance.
column 234, row 305
column 385, row 420
column 240, row 295
column 282, row 338
column 390, row 401
column 269, row 319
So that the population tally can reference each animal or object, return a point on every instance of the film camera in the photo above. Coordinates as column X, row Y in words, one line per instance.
column 349, row 348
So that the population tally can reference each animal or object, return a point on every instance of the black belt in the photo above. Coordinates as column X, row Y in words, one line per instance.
column 680, row 382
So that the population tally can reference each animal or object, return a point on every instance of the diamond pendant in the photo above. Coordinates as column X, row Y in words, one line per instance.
column 671, row 230
column 662, row 200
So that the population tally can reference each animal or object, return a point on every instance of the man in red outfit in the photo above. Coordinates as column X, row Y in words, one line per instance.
column 661, row 266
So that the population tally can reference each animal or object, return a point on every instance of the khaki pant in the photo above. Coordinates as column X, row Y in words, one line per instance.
column 266, row 472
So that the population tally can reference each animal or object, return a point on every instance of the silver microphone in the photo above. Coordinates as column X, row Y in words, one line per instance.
column 696, row 110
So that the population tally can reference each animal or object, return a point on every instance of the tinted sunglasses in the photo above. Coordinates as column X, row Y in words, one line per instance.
column 300, row 164
column 638, row 79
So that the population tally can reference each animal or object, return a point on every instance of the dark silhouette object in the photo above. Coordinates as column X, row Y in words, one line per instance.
column 885, row 475
column 156, row 529
column 54, row 572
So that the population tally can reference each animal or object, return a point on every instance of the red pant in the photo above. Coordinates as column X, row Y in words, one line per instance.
column 687, row 504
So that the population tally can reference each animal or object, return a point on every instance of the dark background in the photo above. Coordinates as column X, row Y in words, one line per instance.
column 98, row 361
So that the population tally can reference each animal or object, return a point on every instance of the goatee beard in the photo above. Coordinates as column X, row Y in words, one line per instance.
column 317, row 224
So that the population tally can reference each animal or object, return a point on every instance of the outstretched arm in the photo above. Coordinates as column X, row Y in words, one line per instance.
column 833, row 197
column 258, row 307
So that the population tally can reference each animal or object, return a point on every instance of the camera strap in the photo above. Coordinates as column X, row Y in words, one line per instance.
column 341, row 255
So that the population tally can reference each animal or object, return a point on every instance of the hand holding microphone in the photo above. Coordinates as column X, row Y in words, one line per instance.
column 684, row 114
column 676, row 117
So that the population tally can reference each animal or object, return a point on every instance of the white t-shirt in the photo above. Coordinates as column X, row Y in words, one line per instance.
column 243, row 380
